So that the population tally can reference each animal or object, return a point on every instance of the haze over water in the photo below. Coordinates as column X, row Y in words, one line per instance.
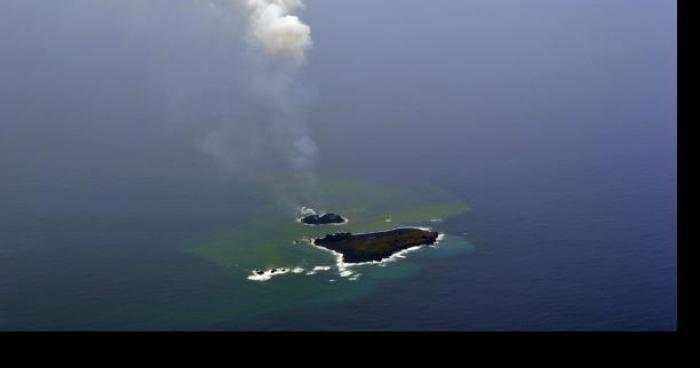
column 554, row 121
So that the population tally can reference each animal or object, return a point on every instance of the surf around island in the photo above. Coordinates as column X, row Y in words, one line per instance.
column 272, row 262
column 274, row 246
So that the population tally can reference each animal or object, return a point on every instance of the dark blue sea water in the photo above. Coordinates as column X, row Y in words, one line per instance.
column 555, row 123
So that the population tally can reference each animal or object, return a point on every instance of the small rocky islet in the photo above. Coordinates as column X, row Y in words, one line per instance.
column 271, row 271
column 325, row 219
column 368, row 247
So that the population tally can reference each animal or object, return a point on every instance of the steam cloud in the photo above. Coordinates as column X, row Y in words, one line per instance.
column 280, row 41
column 180, row 79
column 280, row 33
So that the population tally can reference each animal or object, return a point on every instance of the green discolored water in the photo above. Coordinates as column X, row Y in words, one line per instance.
column 272, row 238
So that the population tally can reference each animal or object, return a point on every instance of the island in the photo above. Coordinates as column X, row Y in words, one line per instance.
column 375, row 246
column 325, row 219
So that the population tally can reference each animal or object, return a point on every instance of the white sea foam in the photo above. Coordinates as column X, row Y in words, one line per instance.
column 255, row 275
column 263, row 277
column 318, row 269
column 268, row 274
column 436, row 220
column 439, row 239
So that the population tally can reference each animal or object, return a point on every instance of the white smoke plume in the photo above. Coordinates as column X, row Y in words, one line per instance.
column 280, row 33
column 276, row 132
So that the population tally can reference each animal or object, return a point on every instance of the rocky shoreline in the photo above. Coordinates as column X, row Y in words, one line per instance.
column 376, row 246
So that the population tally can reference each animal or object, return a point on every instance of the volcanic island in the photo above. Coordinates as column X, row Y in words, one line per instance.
column 368, row 247
column 325, row 219
column 375, row 246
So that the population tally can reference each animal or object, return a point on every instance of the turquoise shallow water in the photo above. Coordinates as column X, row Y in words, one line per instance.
column 145, row 272
column 272, row 238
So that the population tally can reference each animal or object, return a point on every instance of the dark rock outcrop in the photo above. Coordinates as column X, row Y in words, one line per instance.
column 327, row 218
column 375, row 246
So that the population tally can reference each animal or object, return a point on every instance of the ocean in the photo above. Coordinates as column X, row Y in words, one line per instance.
column 544, row 149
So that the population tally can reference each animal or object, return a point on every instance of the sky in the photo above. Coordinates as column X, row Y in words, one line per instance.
column 79, row 74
